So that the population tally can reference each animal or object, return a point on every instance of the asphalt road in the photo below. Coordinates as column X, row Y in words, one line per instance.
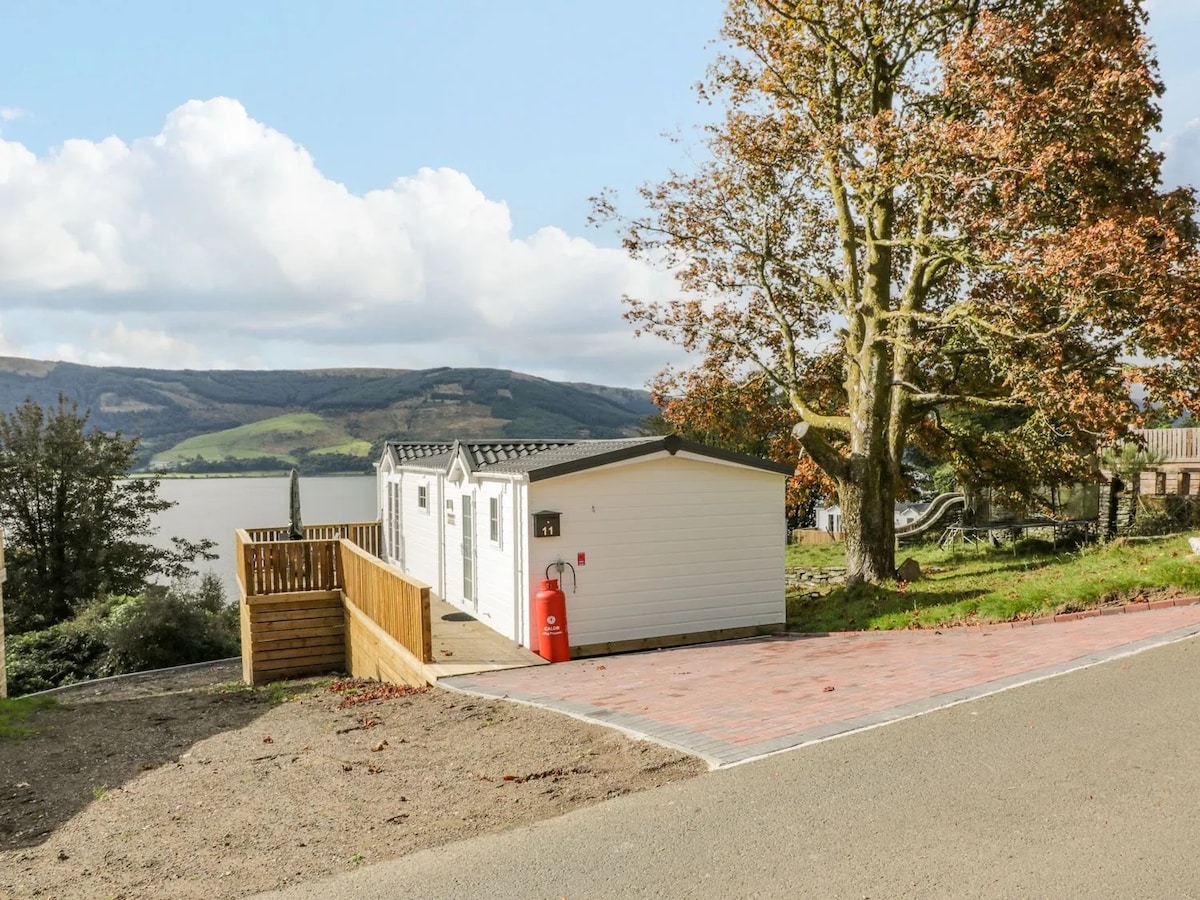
column 1085, row 785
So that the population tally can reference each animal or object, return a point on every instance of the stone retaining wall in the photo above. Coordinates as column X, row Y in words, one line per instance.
column 812, row 577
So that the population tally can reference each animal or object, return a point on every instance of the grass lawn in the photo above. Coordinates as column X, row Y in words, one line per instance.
column 14, row 712
column 996, row 584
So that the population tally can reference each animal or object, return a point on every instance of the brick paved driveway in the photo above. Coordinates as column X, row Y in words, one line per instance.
column 739, row 700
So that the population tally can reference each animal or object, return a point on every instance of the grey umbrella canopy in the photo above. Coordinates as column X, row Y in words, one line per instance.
column 296, row 530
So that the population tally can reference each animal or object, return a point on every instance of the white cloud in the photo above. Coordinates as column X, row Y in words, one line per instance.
column 223, row 230
column 11, row 113
column 1181, row 157
column 119, row 344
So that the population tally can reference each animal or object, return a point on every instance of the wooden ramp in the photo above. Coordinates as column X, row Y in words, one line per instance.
column 463, row 645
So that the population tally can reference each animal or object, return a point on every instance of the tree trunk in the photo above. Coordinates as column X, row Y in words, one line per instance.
column 868, row 522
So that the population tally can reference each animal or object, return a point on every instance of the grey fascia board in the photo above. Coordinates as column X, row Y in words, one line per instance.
column 672, row 444
column 745, row 459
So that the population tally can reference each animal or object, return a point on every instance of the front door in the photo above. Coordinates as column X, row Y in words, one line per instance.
column 468, row 551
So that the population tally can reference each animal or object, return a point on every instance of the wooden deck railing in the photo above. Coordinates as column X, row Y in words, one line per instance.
column 286, row 587
column 289, row 567
column 1177, row 445
column 367, row 535
column 398, row 605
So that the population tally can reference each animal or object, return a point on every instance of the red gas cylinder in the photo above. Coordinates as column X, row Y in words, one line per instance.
column 550, row 622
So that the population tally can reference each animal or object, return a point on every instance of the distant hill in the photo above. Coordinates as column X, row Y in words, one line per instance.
column 326, row 420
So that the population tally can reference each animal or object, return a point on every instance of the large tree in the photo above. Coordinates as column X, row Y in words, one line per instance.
column 75, row 528
column 917, row 215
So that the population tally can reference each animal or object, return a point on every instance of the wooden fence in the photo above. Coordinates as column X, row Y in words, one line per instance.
column 367, row 535
column 283, row 566
column 327, row 604
column 289, row 635
column 397, row 604
column 1176, row 445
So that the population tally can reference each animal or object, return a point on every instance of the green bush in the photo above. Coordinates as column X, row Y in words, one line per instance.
column 161, row 627
column 58, row 655
column 170, row 627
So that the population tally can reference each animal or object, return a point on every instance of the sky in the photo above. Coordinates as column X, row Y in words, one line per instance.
column 311, row 184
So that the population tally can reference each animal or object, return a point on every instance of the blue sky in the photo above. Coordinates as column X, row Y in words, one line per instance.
column 359, row 183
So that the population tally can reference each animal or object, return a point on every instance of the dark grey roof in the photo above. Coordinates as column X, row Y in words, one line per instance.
column 549, row 459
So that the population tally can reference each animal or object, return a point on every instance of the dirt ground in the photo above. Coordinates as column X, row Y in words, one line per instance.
column 193, row 786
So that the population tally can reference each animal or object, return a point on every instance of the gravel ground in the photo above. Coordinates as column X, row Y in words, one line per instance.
column 190, row 785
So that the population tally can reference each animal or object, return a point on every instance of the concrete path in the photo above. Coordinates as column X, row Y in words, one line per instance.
column 741, row 700
column 1085, row 786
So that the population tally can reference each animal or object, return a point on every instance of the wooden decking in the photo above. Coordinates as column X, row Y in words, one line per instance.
column 462, row 645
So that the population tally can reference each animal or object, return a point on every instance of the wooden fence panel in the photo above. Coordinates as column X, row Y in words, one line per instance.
column 275, row 567
column 287, row 635
column 397, row 604
column 365, row 534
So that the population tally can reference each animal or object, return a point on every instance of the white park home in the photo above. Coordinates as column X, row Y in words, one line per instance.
column 668, row 539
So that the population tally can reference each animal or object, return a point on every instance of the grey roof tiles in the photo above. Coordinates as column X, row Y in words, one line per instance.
column 549, row 458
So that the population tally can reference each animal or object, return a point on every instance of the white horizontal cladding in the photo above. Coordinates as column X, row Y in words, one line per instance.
column 672, row 545
column 420, row 534
column 496, row 562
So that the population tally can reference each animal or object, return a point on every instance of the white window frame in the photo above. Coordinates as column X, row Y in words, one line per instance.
column 495, row 521
column 423, row 497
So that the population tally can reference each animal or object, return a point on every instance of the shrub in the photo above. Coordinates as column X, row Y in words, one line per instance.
column 161, row 627
column 58, row 655
column 170, row 627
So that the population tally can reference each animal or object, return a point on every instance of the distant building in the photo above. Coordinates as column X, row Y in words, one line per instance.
column 1179, row 472
column 829, row 518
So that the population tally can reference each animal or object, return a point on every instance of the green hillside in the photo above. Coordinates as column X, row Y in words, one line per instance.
column 276, row 440
column 328, row 420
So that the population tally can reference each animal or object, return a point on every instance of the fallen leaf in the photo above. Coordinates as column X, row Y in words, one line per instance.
column 827, row 688
column 268, row 740
column 379, row 746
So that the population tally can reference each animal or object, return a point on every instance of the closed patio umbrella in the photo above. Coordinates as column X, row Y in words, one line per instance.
column 296, row 532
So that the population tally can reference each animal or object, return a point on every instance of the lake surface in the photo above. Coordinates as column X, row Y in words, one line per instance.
column 213, row 507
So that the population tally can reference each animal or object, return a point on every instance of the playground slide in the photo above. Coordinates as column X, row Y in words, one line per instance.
column 943, row 505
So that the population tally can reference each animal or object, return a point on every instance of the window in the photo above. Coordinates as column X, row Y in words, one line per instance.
column 494, row 519
column 423, row 497
column 449, row 512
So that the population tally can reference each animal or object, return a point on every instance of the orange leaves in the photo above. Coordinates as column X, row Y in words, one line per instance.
column 936, row 226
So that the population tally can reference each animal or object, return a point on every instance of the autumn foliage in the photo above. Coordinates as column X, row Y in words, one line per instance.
column 929, row 222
